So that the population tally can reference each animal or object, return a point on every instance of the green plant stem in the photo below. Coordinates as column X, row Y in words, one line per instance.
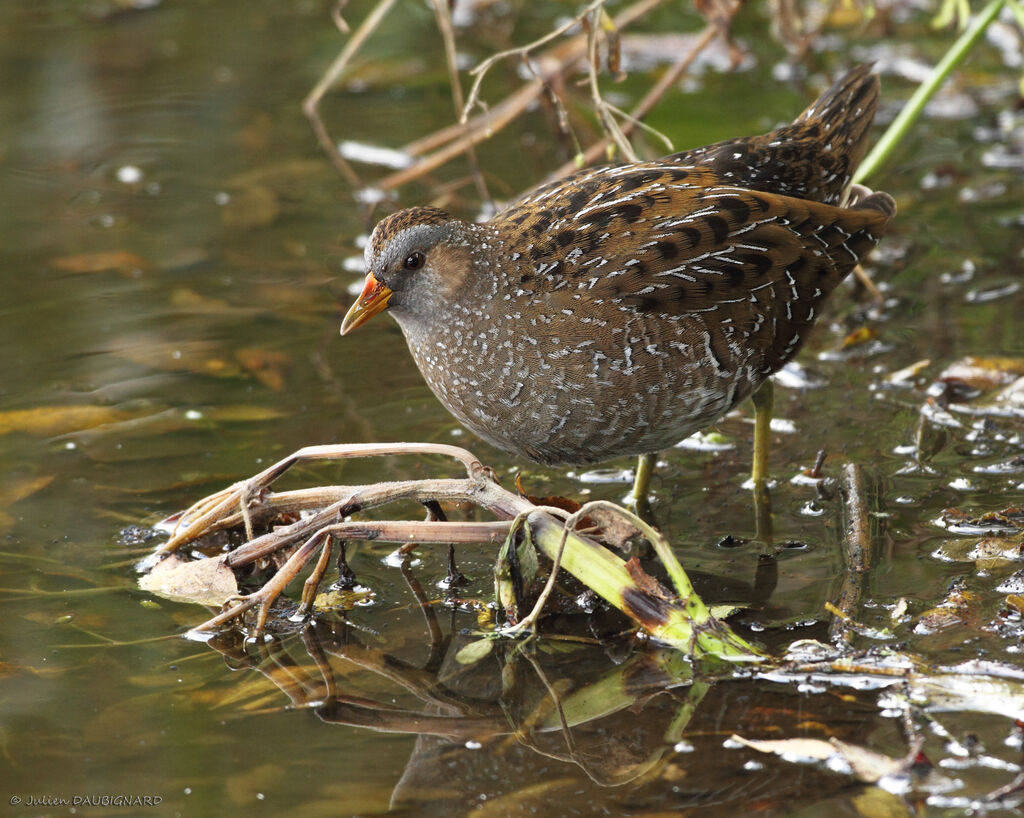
column 915, row 105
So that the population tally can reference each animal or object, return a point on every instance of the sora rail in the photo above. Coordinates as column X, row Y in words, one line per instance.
column 618, row 310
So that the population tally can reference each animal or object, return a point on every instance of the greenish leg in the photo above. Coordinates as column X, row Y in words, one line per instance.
column 638, row 497
column 764, row 400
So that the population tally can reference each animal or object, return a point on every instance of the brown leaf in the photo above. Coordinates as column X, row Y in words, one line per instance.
column 20, row 489
column 981, row 373
column 267, row 366
column 859, row 336
column 59, row 420
column 865, row 765
column 92, row 621
column 202, row 357
column 100, row 262
column 958, row 607
column 615, row 529
column 989, row 552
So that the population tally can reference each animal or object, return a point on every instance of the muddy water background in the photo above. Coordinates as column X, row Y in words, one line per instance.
column 204, row 346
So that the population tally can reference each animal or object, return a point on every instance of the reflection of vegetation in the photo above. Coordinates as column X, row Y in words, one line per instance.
column 541, row 703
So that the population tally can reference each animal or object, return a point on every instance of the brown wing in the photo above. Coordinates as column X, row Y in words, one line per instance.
column 670, row 242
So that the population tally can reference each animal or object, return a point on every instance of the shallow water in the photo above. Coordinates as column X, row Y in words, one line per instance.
column 172, row 242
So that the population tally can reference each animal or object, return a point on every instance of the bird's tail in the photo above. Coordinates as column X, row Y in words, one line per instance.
column 842, row 116
column 813, row 157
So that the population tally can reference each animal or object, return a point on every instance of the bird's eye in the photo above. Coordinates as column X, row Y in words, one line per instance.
column 413, row 261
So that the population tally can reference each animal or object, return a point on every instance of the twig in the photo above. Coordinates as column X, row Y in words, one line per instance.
column 310, row 105
column 444, row 25
column 685, row 624
column 522, row 51
column 454, row 140
column 861, row 498
column 608, row 123
column 646, row 105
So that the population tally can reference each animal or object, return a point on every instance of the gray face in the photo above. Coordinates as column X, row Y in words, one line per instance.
column 406, row 263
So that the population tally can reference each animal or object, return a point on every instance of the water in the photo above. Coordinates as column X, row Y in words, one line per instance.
column 173, row 247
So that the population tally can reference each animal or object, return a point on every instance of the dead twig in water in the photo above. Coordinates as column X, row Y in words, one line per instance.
column 861, row 498
column 683, row 622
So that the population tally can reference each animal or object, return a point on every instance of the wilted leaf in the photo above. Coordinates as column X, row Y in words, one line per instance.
column 11, row 669
column 341, row 600
column 59, row 420
column 864, row 764
column 1009, row 520
column 791, row 749
column 908, row 374
column 475, row 651
column 266, row 365
column 119, row 260
column 859, row 336
column 20, row 489
column 616, row 530
column 983, row 374
column 90, row 621
column 252, row 206
column 1016, row 601
column 203, row 582
column 202, row 357
column 958, row 605
column 874, row 802
column 988, row 552
column 242, row 413
column 983, row 692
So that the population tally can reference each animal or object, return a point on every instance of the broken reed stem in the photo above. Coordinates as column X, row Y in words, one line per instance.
column 683, row 623
column 604, row 115
column 861, row 502
column 646, row 105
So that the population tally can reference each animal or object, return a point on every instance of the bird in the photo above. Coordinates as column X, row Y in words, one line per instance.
column 618, row 310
